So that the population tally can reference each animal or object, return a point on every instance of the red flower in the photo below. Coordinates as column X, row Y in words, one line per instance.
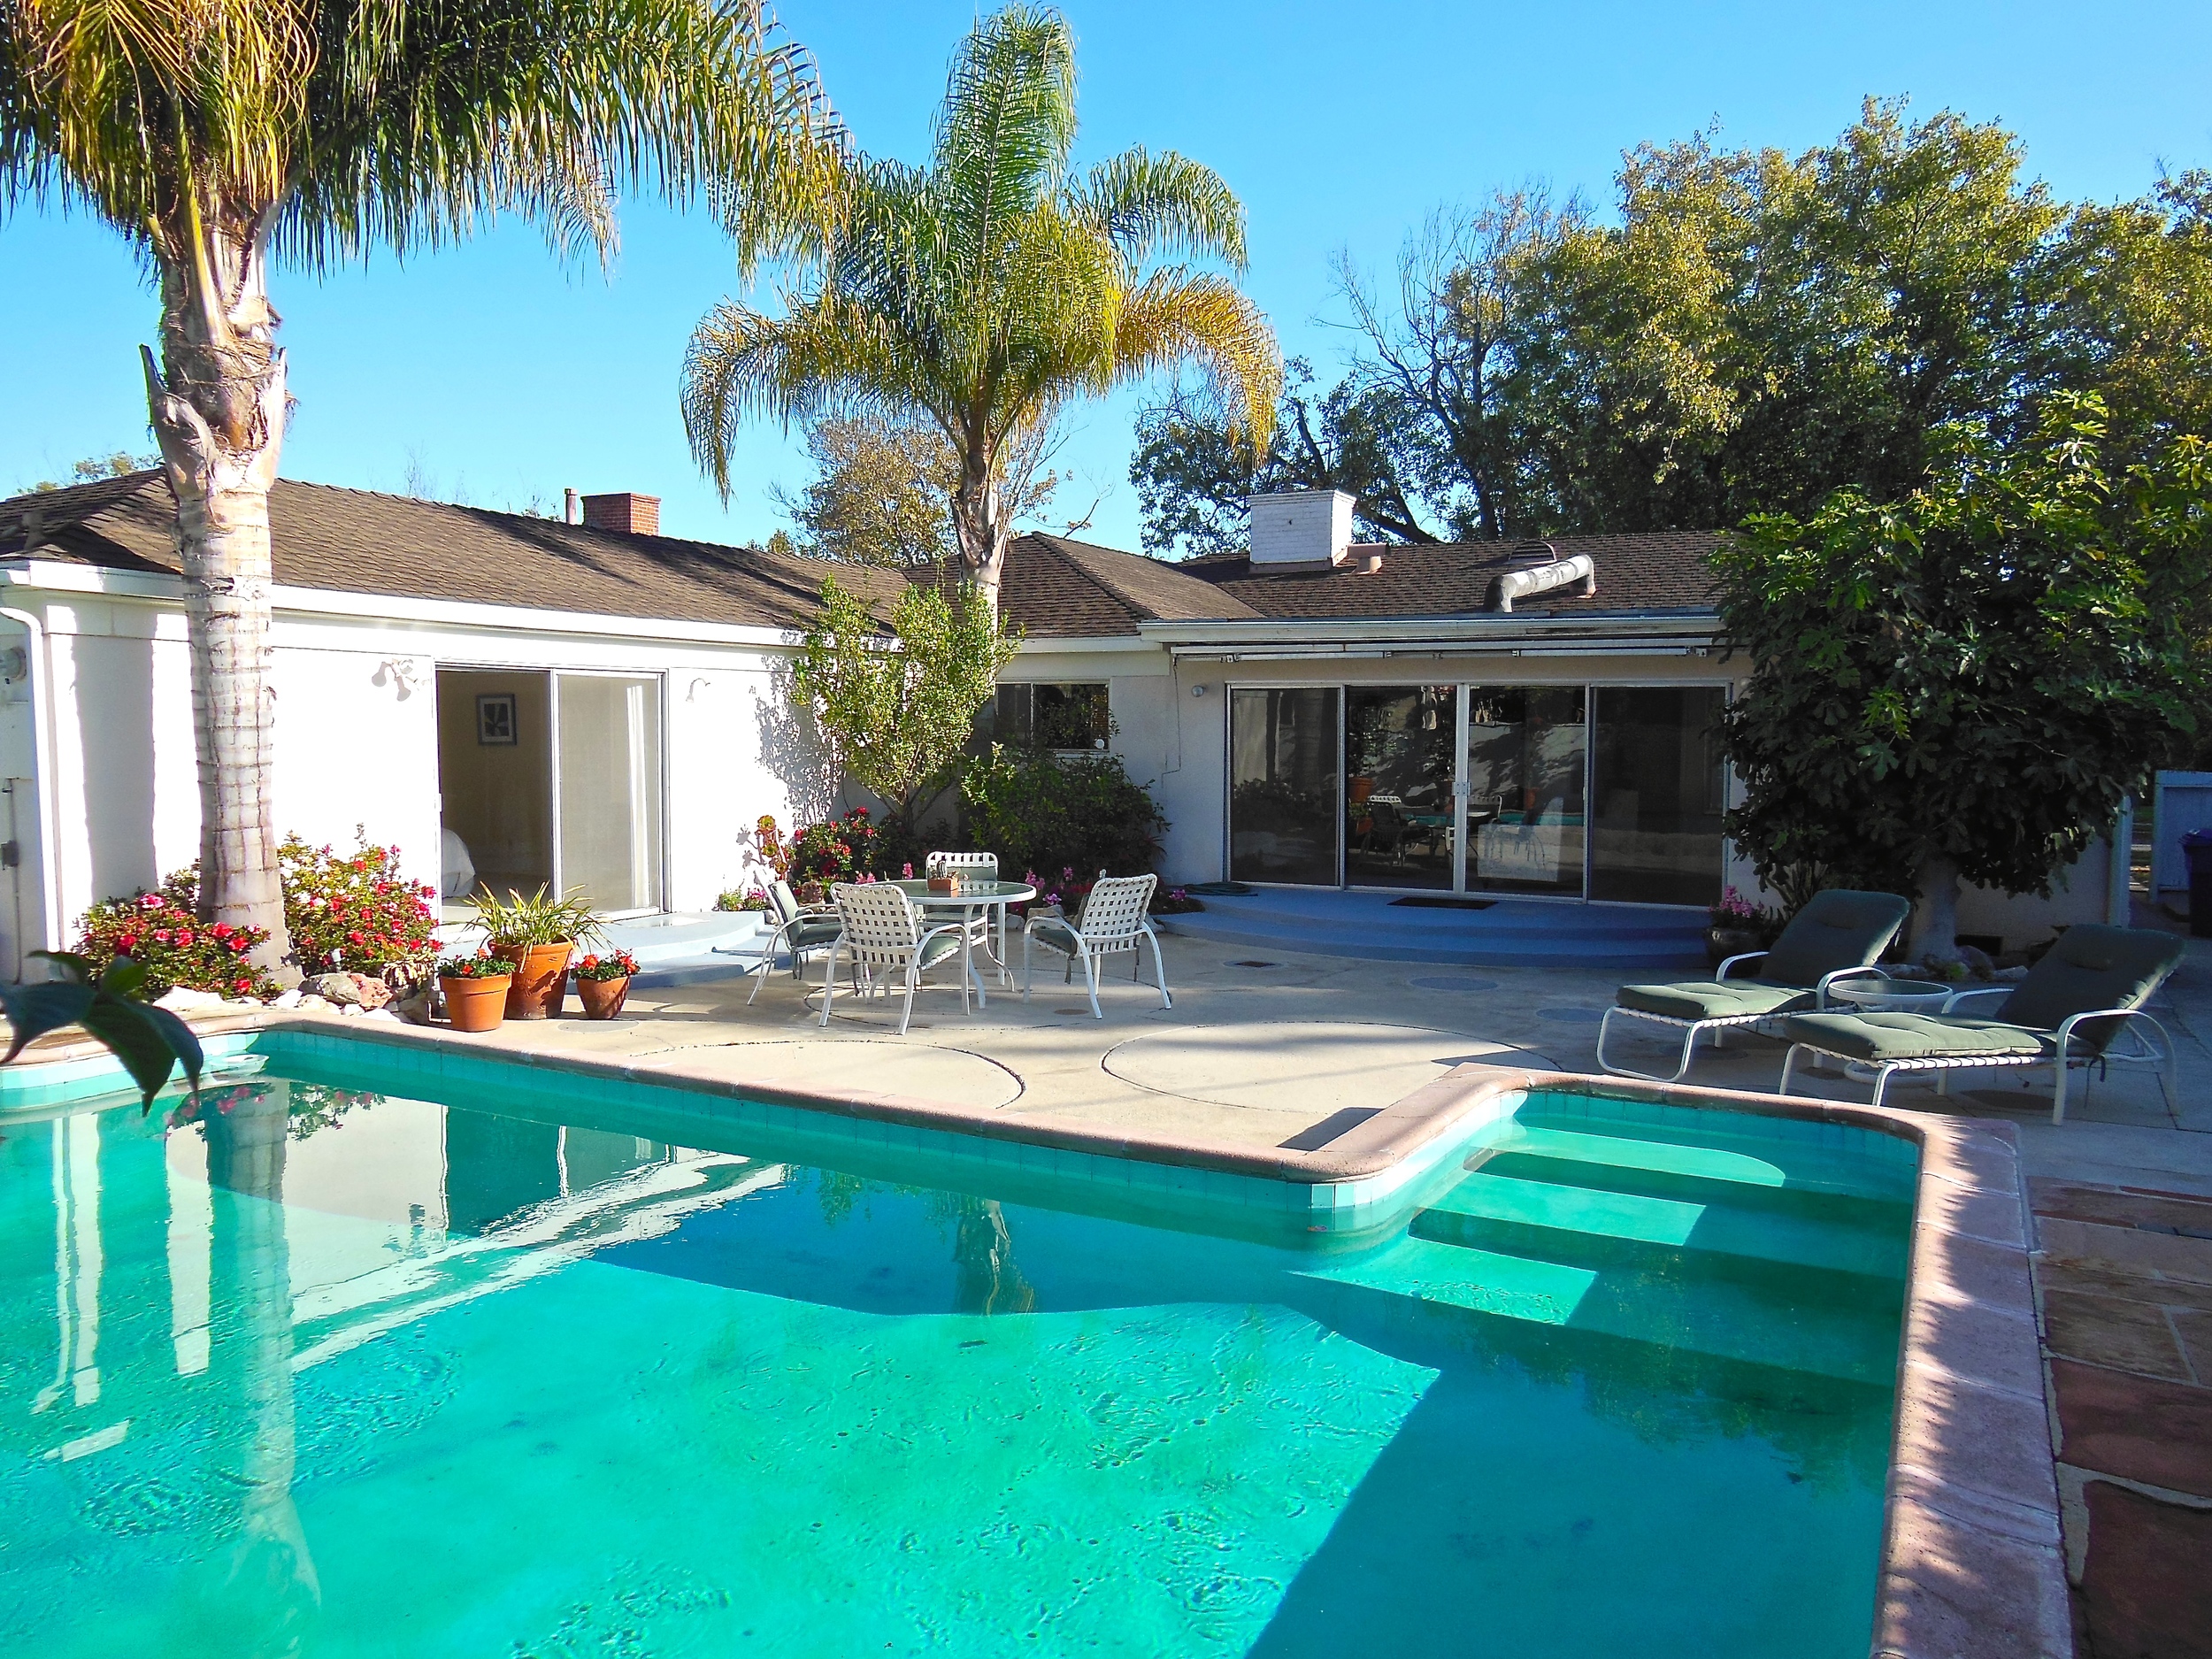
column 589, row 962
column 185, row 939
column 161, row 935
column 221, row 930
column 127, row 944
column 354, row 938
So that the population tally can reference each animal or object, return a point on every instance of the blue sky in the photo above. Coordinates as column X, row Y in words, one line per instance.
column 495, row 374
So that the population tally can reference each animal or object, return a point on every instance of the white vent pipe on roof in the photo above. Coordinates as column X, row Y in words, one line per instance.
column 1543, row 579
column 572, row 508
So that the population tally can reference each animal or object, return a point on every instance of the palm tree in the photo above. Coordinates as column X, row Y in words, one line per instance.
column 215, row 134
column 983, row 291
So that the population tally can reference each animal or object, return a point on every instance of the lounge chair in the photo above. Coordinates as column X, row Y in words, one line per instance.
column 798, row 930
column 1113, row 920
column 1836, row 936
column 2088, row 989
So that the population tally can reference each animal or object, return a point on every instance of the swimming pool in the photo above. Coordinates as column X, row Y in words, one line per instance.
column 363, row 1364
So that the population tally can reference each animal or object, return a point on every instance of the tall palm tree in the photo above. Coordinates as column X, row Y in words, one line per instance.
column 214, row 134
column 981, row 292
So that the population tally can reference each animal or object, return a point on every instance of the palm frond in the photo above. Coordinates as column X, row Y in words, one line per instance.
column 1164, row 204
column 1176, row 320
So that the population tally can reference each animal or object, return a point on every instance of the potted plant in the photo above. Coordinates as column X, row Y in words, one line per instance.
column 538, row 934
column 1737, row 926
column 603, row 982
column 475, row 990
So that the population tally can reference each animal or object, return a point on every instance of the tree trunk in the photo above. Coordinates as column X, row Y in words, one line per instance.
column 980, row 529
column 1938, row 940
column 217, row 403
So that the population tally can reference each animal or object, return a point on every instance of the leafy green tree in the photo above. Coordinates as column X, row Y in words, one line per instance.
column 216, row 135
column 1967, row 683
column 899, row 705
column 984, row 291
column 882, row 490
column 1751, row 332
column 94, row 468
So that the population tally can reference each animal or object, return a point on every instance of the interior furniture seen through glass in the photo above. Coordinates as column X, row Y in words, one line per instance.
column 1657, row 782
column 611, row 789
column 1527, row 747
column 1398, row 756
column 1283, row 785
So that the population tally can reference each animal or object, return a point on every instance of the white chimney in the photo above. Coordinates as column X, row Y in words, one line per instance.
column 1294, row 529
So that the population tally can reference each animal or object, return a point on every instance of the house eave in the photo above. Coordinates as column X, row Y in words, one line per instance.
column 1634, row 634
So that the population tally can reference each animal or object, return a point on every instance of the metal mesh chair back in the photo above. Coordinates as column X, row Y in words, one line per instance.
column 1115, row 909
column 881, row 928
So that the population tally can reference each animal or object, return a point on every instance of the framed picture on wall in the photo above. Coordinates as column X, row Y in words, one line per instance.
column 495, row 718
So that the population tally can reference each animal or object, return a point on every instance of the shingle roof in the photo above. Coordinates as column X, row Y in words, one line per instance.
column 1055, row 588
column 1655, row 572
column 356, row 541
column 353, row 540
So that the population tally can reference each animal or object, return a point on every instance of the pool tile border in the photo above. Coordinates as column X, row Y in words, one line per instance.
column 1971, row 1564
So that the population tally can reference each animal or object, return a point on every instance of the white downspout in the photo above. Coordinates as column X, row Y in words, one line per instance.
column 43, row 764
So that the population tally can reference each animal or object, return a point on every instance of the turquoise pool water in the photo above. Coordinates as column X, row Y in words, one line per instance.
column 338, row 1373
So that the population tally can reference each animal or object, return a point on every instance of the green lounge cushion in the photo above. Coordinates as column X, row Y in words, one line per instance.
column 935, row 950
column 1048, row 929
column 1880, row 1037
column 2091, row 967
column 1714, row 999
column 1839, row 928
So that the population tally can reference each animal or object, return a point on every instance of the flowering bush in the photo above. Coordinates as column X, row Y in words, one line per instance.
column 1736, row 913
column 607, row 965
column 162, row 931
column 839, row 850
column 752, row 899
column 483, row 966
column 357, row 913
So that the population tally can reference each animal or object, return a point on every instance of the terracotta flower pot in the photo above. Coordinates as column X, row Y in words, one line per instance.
column 476, row 1004
column 602, row 999
column 540, row 982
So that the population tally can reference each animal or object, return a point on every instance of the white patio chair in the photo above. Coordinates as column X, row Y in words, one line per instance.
column 883, row 934
column 981, row 867
column 799, row 929
column 1114, row 920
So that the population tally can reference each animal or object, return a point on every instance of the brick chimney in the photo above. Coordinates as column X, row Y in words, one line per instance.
column 634, row 515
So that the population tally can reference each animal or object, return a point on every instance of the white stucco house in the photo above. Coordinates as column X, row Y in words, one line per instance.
column 594, row 704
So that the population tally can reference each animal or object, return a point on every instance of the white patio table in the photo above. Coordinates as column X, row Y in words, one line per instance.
column 974, row 898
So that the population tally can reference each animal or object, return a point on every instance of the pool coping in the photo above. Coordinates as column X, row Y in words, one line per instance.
column 1971, row 1562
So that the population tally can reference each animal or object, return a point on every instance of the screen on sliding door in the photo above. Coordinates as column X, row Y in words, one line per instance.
column 1656, row 781
column 1283, row 777
column 1527, row 751
column 1398, row 758
column 611, row 789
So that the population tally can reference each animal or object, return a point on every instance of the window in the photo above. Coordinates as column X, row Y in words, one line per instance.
column 1058, row 716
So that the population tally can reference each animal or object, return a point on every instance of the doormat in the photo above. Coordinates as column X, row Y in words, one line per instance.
column 1249, row 963
column 1432, row 902
column 1218, row 889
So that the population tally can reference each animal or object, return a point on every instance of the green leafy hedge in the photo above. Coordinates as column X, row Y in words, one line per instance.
column 1041, row 812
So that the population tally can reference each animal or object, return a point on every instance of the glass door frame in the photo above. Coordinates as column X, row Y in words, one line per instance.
column 1463, row 687
column 552, row 677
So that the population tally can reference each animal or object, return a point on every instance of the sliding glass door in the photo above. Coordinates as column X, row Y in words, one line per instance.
column 1657, row 780
column 611, row 789
column 1283, row 784
column 1399, row 752
column 1527, row 756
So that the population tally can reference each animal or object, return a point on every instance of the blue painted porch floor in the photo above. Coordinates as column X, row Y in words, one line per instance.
column 1525, row 932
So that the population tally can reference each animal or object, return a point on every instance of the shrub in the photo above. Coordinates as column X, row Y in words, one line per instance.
column 1037, row 812
column 752, row 899
column 837, row 851
column 356, row 914
column 162, row 932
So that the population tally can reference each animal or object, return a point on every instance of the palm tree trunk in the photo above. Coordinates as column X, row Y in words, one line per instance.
column 981, row 531
column 217, row 403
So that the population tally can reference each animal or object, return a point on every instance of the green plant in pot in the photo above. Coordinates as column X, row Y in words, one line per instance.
column 538, row 934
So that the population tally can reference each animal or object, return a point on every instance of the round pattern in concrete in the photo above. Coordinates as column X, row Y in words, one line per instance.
column 1317, row 1066
column 849, row 1065
column 1572, row 1016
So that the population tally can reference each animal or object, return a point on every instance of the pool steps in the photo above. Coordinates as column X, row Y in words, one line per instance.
column 1718, row 1265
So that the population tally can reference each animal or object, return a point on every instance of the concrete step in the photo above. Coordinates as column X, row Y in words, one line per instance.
column 1701, row 1168
column 1594, row 1227
column 1852, row 1338
column 1368, row 927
